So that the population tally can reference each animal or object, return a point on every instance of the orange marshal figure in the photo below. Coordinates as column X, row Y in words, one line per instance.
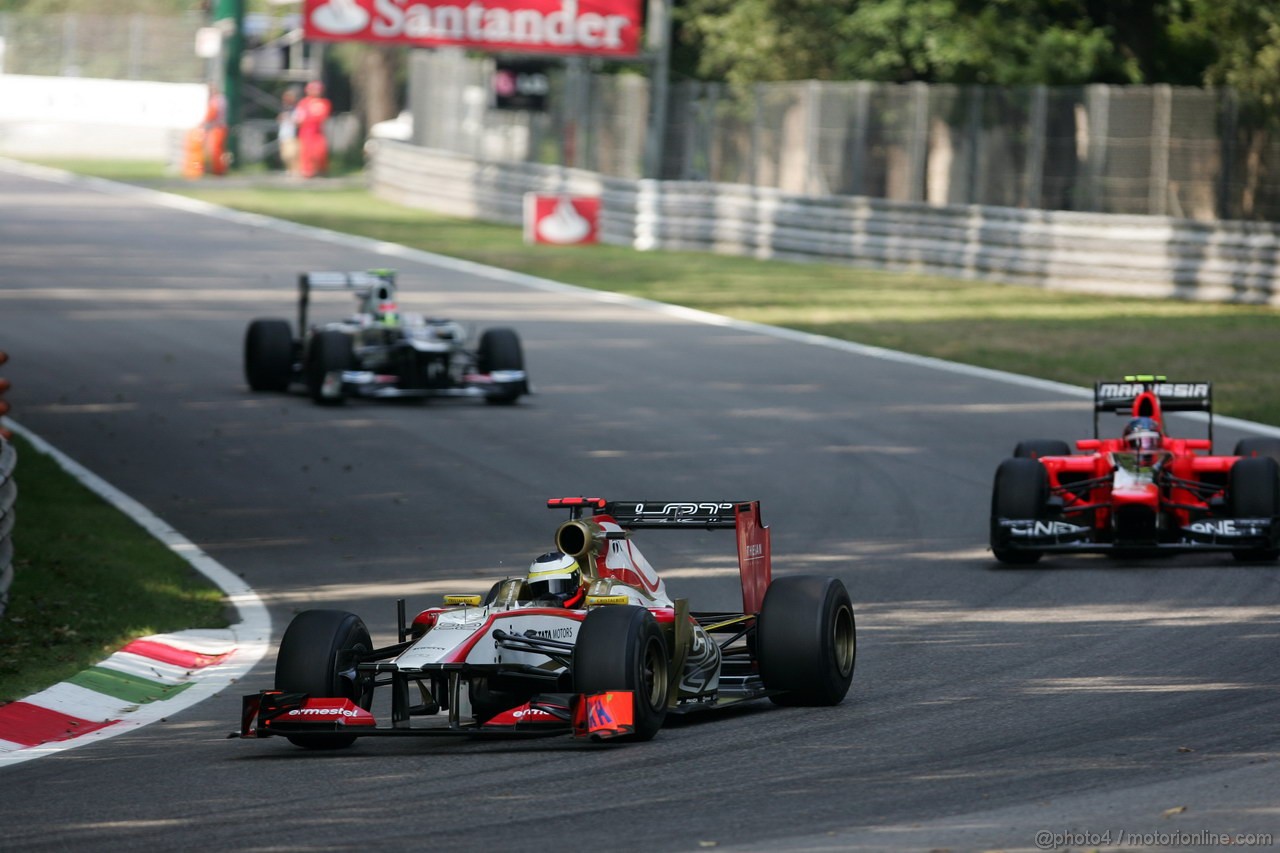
column 311, row 113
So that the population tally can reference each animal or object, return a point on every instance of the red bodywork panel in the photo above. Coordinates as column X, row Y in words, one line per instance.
column 604, row 715
column 1185, row 462
column 291, row 713
column 755, row 556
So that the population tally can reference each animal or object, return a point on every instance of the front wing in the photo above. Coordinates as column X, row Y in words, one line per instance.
column 599, row 716
column 1050, row 536
column 367, row 383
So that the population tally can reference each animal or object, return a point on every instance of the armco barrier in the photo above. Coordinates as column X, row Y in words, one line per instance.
column 1148, row 256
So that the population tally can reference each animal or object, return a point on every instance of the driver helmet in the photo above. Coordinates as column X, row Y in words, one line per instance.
column 1142, row 436
column 555, row 576
column 381, row 303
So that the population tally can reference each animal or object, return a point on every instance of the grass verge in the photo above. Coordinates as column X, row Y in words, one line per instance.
column 87, row 580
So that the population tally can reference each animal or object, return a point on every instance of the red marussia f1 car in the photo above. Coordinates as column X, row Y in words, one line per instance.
column 1142, row 494
column 589, row 644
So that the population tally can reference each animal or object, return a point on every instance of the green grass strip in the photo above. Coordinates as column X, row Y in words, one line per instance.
column 122, row 685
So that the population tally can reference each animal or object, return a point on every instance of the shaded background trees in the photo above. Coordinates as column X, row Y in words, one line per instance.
column 1004, row 42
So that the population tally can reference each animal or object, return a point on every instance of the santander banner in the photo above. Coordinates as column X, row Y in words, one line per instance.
column 594, row 27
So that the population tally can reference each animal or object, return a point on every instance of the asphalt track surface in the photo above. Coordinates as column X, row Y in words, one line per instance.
column 1082, row 695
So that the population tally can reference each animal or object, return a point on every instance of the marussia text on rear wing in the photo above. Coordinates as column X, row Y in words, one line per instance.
column 1149, row 396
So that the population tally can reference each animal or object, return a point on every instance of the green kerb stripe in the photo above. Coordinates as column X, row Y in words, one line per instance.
column 121, row 685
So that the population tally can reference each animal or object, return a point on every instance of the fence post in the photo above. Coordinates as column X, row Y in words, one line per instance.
column 1161, row 116
column 813, row 183
column 757, row 130
column 918, row 145
column 134, row 71
column 68, row 65
column 1230, row 128
column 658, row 37
column 975, row 181
column 710, row 134
column 858, row 139
column 1098, row 113
column 1033, row 185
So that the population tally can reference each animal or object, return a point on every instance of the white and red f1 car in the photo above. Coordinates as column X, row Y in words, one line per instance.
column 614, row 664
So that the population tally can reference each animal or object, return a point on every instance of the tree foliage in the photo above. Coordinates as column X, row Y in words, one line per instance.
column 1008, row 42
column 1247, row 34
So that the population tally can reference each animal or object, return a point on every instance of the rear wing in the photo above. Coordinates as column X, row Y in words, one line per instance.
column 361, row 283
column 754, row 549
column 1149, row 396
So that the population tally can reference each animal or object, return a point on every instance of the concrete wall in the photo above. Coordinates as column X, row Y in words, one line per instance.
column 78, row 117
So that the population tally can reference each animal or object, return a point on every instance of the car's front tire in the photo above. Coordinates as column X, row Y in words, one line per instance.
column 1020, row 490
column 268, row 355
column 329, row 351
column 806, row 640
column 1258, row 446
column 621, row 647
column 499, row 349
column 1254, row 488
column 317, row 657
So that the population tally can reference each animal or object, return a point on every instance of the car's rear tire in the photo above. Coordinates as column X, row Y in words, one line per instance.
column 499, row 349
column 317, row 658
column 268, row 355
column 1021, row 490
column 329, row 351
column 806, row 640
column 1258, row 446
column 1034, row 448
column 1254, row 488
column 621, row 647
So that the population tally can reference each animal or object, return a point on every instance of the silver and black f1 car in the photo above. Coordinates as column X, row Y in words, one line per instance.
column 1143, row 493
column 611, row 661
column 380, row 351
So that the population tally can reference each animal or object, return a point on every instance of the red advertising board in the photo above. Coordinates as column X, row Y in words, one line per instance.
column 564, row 220
column 592, row 27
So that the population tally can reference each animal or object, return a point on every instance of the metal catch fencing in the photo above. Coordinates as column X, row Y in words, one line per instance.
column 1182, row 152
column 1157, row 257
column 113, row 47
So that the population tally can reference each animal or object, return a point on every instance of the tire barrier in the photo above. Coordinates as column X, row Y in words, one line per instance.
column 8, row 496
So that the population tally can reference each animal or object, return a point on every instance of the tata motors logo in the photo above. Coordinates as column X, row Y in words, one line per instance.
column 594, row 27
